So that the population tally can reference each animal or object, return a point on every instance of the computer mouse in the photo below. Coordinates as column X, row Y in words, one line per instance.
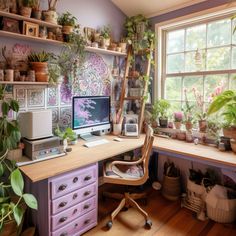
column 118, row 139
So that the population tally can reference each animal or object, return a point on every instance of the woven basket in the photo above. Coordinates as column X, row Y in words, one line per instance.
column 221, row 215
column 171, row 188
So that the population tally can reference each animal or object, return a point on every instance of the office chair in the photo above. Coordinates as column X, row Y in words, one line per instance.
column 129, row 173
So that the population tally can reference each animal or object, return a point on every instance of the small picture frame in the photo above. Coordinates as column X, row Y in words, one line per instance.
column 10, row 25
column 131, row 130
column 30, row 29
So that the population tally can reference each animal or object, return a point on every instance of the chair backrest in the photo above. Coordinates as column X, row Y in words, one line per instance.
column 146, row 150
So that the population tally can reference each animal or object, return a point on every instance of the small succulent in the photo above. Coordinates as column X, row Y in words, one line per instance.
column 39, row 57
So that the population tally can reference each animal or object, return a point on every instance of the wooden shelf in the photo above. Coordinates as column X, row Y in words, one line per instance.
column 30, row 38
column 104, row 51
column 19, row 17
column 23, row 83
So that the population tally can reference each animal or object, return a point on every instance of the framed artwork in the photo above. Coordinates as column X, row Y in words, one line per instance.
column 30, row 29
column 10, row 25
column 35, row 98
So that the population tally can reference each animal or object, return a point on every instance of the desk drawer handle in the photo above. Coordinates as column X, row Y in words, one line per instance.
column 86, row 206
column 76, row 225
column 87, row 193
column 87, row 178
column 86, row 221
column 75, row 196
column 62, row 204
column 75, row 180
column 64, row 234
column 62, row 187
column 63, row 219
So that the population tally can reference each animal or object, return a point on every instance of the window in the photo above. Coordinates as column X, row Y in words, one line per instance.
column 200, row 56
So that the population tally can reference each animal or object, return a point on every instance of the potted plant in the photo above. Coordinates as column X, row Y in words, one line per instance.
column 226, row 103
column 178, row 118
column 188, row 113
column 13, row 199
column 105, row 36
column 9, row 71
column 171, row 181
column 68, row 22
column 39, row 63
column 51, row 15
column 163, row 107
column 26, row 7
column 154, row 114
column 36, row 12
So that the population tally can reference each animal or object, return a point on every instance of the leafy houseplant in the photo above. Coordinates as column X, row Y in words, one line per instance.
column 105, row 36
column 163, row 106
column 9, row 130
column 68, row 21
column 39, row 63
column 226, row 102
column 13, row 199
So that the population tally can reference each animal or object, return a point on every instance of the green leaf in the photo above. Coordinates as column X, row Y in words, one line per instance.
column 17, row 182
column 18, row 214
column 31, row 201
column 5, row 108
column 1, row 169
column 14, row 105
column 4, row 199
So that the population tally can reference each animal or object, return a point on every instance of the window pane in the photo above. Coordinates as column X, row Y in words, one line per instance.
column 191, row 82
column 196, row 37
column 234, row 57
column 195, row 61
column 233, row 82
column 233, row 35
column 175, row 41
column 211, row 82
column 175, row 63
column 173, row 87
column 218, row 58
column 219, row 33
column 175, row 106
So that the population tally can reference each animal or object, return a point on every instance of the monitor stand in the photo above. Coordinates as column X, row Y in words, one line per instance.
column 89, row 137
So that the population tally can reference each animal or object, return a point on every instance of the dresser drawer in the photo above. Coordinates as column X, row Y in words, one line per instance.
column 62, row 203
column 71, row 181
column 78, row 225
column 72, row 213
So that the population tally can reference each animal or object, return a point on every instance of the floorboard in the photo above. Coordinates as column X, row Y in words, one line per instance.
column 168, row 219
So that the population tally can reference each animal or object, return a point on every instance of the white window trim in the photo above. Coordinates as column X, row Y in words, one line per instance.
column 160, row 31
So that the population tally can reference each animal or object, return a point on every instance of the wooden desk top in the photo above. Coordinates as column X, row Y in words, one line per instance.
column 82, row 156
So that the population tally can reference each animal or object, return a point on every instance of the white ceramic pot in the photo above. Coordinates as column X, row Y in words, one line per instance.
column 117, row 129
column 50, row 16
column 9, row 75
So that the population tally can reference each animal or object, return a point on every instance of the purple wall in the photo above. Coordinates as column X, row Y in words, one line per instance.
column 188, row 10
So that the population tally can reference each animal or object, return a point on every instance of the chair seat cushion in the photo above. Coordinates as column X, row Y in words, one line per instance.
column 124, row 171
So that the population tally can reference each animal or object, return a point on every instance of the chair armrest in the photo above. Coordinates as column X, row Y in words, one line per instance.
column 127, row 163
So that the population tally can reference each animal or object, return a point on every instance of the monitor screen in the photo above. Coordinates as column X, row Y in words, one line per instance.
column 90, row 113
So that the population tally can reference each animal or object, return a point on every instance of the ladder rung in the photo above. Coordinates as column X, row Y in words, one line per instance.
column 133, row 98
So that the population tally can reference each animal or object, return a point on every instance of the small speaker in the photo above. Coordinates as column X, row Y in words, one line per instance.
column 101, row 132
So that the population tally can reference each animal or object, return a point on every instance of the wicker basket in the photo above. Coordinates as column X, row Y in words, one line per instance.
column 171, row 188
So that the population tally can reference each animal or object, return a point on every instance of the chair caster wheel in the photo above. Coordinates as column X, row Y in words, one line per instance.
column 109, row 224
column 148, row 224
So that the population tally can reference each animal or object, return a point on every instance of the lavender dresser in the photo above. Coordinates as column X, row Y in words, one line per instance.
column 67, row 202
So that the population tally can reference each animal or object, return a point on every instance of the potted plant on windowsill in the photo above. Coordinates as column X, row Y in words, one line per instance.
column 39, row 63
column 163, row 107
column 178, row 118
column 68, row 22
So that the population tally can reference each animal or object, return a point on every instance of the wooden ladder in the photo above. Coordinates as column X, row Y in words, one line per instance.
column 123, row 97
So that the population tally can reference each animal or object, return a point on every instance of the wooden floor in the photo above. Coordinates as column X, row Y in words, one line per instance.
column 168, row 219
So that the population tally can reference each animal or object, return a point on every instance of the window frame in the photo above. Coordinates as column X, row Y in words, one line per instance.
column 161, row 30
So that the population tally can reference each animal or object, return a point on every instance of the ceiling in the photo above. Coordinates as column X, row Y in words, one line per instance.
column 151, row 8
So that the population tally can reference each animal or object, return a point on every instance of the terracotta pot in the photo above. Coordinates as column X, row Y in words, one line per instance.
column 26, row 11
column 9, row 228
column 67, row 29
column 41, row 71
column 230, row 132
column 178, row 125
column 181, row 135
column 202, row 125
column 188, row 125
column 50, row 16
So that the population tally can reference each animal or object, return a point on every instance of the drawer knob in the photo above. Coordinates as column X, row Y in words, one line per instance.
column 86, row 206
column 63, row 219
column 62, row 204
column 86, row 221
column 88, row 177
column 76, row 225
column 87, row 193
column 75, row 179
column 75, row 196
column 62, row 187
column 64, row 234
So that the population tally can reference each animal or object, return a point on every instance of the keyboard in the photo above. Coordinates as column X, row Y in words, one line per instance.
column 96, row 143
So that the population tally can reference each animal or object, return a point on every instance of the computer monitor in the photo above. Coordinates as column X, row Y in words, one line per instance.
column 90, row 114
